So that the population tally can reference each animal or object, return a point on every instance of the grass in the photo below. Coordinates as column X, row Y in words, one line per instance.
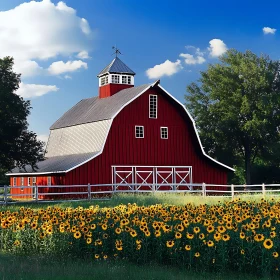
column 29, row 268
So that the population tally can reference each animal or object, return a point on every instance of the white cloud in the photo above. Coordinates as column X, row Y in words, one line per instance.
column 42, row 30
column 43, row 137
column 83, row 55
column 217, row 47
column 167, row 68
column 268, row 30
column 33, row 90
column 60, row 67
column 67, row 77
column 191, row 59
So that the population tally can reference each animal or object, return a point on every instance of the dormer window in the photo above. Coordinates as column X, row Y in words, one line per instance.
column 115, row 79
column 124, row 79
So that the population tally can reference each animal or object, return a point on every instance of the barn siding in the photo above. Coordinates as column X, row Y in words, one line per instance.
column 122, row 148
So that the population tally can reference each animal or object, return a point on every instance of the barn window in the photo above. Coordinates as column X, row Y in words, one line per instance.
column 139, row 131
column 104, row 80
column 28, row 181
column 164, row 132
column 115, row 79
column 153, row 106
column 129, row 80
column 14, row 181
column 34, row 181
column 124, row 79
column 22, row 181
column 49, row 181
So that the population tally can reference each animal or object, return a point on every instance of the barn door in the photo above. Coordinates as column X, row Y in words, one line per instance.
column 151, row 178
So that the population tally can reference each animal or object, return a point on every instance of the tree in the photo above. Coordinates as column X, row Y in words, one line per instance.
column 236, row 107
column 18, row 146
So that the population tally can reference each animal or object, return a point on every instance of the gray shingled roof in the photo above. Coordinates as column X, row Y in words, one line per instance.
column 116, row 66
column 57, row 164
column 97, row 109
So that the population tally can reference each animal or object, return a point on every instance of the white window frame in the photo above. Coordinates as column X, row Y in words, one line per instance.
column 151, row 114
column 28, row 181
column 124, row 79
column 34, row 181
column 49, row 180
column 115, row 79
column 22, row 181
column 129, row 80
column 138, row 133
column 14, row 181
column 162, row 132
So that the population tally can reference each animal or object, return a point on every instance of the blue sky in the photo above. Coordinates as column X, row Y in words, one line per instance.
column 59, row 47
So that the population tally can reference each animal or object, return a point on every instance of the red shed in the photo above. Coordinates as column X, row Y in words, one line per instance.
column 127, row 135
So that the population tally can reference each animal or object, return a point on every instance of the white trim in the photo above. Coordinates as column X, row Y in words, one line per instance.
column 196, row 132
column 28, row 181
column 34, row 182
column 22, row 181
column 136, row 126
column 35, row 173
column 49, row 181
column 156, row 106
column 161, row 132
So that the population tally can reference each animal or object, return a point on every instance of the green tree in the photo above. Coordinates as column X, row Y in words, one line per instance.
column 18, row 146
column 236, row 106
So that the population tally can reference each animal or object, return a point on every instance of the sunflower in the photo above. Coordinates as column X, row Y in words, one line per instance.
column 17, row 243
column 157, row 233
column 105, row 257
column 89, row 240
column 119, row 247
column 118, row 230
column 242, row 235
column 210, row 229
column 197, row 254
column 178, row 235
column 77, row 234
column 49, row 231
column 138, row 247
column 180, row 227
column 217, row 236
column 96, row 256
column 210, row 243
column 42, row 235
column 190, row 236
column 104, row 226
column 242, row 252
column 170, row 243
column 196, row 230
column 147, row 233
column 201, row 236
column 93, row 226
column 272, row 234
column 221, row 229
column 259, row 237
column 275, row 254
column 268, row 244
column 188, row 247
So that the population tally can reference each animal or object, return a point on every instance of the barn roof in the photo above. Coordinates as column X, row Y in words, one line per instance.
column 97, row 109
column 81, row 133
column 116, row 66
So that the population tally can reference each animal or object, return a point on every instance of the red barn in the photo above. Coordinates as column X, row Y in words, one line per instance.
column 127, row 135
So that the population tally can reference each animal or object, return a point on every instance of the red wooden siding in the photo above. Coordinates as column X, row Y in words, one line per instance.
column 122, row 148
column 111, row 89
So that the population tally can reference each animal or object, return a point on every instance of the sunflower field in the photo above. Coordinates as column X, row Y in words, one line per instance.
column 239, row 235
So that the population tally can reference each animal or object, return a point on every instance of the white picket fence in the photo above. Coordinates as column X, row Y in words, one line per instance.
column 103, row 191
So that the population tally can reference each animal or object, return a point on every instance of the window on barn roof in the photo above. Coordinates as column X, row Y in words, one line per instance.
column 115, row 79
column 104, row 80
column 139, row 131
column 152, row 106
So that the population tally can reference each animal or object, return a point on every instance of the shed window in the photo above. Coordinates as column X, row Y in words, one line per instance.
column 164, row 132
column 104, row 80
column 129, row 80
column 153, row 106
column 49, row 181
column 28, row 181
column 139, row 131
column 34, row 181
column 115, row 79
column 124, row 79
column 22, row 181
column 14, row 181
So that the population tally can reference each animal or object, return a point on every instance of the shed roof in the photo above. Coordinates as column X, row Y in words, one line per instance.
column 116, row 66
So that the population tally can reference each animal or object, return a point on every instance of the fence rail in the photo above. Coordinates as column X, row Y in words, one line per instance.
column 87, row 192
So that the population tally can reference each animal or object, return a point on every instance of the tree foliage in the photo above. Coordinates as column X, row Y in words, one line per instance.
column 18, row 146
column 236, row 106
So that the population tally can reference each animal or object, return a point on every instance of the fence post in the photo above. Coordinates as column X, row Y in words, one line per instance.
column 5, row 194
column 203, row 189
column 36, row 193
column 89, row 192
column 232, row 191
column 263, row 190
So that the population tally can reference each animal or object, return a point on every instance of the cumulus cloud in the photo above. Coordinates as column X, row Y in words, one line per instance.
column 167, row 68
column 269, row 30
column 67, row 77
column 37, row 31
column 43, row 137
column 191, row 59
column 83, row 55
column 217, row 47
column 33, row 90
column 60, row 67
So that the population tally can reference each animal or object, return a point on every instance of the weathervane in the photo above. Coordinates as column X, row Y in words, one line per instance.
column 116, row 51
